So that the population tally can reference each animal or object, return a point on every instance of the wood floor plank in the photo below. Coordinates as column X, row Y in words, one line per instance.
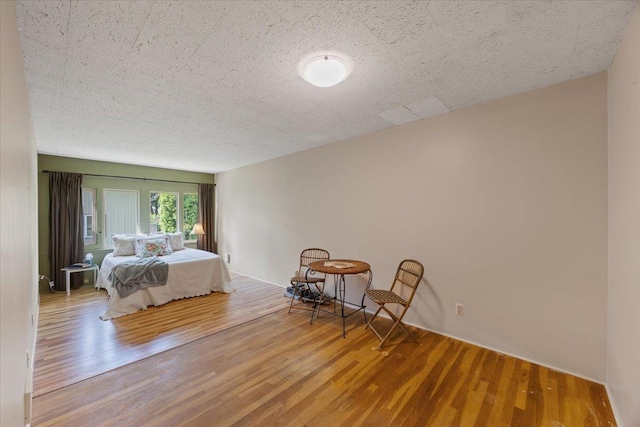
column 277, row 369
column 74, row 344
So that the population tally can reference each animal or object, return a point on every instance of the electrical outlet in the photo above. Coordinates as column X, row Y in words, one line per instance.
column 51, row 284
column 460, row 309
column 86, row 281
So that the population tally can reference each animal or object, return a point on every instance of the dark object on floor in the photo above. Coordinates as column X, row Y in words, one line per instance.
column 307, row 295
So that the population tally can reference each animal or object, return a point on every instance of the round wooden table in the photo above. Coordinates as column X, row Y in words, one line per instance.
column 358, row 266
column 340, row 267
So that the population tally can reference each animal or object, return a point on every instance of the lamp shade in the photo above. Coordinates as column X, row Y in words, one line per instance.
column 197, row 229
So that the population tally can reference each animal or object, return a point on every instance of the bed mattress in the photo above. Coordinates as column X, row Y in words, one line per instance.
column 192, row 272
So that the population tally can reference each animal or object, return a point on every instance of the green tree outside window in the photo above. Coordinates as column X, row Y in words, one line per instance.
column 164, row 213
column 190, row 214
column 168, row 220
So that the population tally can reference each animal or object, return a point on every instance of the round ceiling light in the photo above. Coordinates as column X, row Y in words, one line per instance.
column 325, row 71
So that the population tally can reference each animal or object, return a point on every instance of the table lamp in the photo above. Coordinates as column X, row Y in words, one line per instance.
column 197, row 229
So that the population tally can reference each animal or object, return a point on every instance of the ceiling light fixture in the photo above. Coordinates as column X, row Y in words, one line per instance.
column 325, row 71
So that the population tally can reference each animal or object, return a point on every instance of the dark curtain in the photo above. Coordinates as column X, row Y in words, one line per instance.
column 66, row 243
column 205, row 217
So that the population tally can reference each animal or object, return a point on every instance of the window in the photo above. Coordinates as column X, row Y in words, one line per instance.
column 121, row 213
column 190, row 203
column 88, row 215
column 164, row 212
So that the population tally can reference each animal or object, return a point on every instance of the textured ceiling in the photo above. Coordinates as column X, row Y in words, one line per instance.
column 211, row 86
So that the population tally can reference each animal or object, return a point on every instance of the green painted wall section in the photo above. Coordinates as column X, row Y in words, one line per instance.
column 66, row 164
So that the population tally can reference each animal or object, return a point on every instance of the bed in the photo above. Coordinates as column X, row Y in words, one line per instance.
column 192, row 272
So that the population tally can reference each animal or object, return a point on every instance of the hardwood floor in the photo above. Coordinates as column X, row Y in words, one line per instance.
column 73, row 344
column 276, row 369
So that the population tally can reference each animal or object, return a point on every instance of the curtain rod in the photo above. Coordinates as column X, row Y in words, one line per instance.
column 130, row 177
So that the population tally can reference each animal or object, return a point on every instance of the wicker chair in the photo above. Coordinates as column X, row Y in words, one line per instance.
column 304, row 279
column 408, row 276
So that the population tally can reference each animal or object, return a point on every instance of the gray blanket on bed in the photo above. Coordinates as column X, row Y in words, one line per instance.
column 131, row 276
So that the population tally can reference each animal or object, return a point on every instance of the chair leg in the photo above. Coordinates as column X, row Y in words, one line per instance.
column 386, row 337
column 401, row 323
column 315, row 310
column 404, row 328
column 296, row 291
column 368, row 325
column 293, row 296
column 397, row 322
column 317, row 303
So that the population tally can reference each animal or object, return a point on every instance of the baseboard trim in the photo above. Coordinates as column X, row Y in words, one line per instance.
column 256, row 278
column 614, row 408
column 28, row 395
column 546, row 365
column 36, row 319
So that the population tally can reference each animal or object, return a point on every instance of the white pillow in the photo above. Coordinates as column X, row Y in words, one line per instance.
column 176, row 240
column 124, row 244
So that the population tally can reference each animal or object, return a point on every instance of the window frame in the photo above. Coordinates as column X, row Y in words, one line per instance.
column 94, row 217
column 142, row 224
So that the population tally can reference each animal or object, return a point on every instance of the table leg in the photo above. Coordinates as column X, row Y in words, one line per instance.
column 342, row 296
column 336, row 281
column 68, row 282
column 364, row 307
column 340, row 291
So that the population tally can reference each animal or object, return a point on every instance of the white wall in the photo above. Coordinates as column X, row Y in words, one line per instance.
column 623, row 349
column 505, row 203
column 18, row 225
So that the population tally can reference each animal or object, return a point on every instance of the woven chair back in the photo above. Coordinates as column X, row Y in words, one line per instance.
column 311, row 255
column 409, row 274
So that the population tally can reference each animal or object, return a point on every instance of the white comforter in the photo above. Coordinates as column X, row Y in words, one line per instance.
column 192, row 272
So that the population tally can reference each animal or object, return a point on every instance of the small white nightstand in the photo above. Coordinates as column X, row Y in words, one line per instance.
column 70, row 270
